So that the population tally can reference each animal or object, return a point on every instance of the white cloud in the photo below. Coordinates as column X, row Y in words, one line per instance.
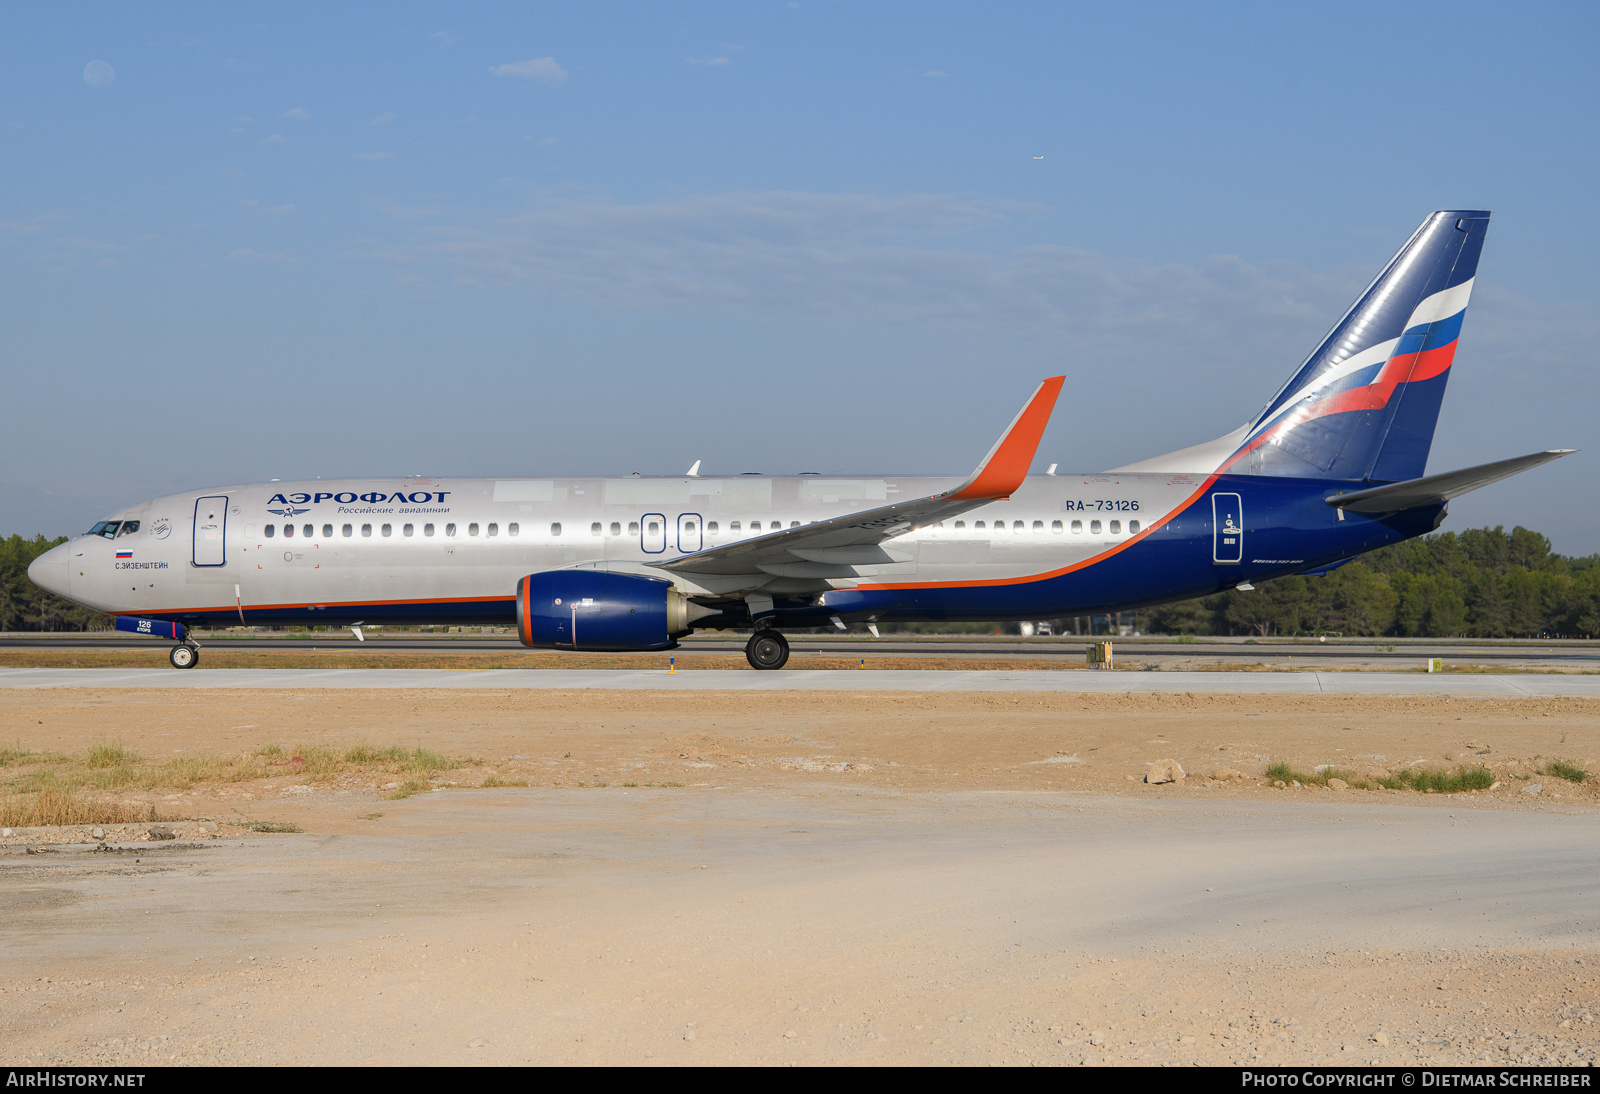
column 276, row 138
column 382, row 119
column 245, row 254
column 298, row 112
column 543, row 69
column 935, row 72
column 546, row 142
column 927, row 260
column 36, row 223
column 708, row 61
column 374, row 156
column 443, row 38
column 272, row 210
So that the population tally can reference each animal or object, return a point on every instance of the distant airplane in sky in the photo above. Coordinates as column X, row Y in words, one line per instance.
column 1332, row 467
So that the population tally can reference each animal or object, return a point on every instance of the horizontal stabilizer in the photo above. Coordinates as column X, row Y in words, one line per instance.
column 1438, row 489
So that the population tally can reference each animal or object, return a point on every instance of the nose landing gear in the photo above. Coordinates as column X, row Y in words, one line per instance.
column 185, row 656
column 767, row 649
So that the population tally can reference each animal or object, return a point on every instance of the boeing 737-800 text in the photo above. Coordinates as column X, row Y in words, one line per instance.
column 1332, row 467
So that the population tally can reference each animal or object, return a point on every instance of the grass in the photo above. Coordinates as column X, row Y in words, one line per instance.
column 37, row 787
column 1565, row 769
column 1422, row 780
column 495, row 780
column 67, row 805
column 268, row 826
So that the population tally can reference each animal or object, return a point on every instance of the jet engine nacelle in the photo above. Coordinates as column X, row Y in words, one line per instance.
column 595, row 610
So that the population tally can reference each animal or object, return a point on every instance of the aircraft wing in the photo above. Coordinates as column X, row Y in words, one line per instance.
column 1438, row 489
column 824, row 548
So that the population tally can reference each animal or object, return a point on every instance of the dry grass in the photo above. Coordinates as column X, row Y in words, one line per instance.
column 41, row 788
column 67, row 805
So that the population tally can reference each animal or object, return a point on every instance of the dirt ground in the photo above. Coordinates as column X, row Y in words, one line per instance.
column 905, row 741
column 614, row 976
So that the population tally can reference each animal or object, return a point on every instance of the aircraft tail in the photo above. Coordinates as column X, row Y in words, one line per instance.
column 1364, row 404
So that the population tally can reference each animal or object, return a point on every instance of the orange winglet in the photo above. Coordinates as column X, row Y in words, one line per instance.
column 1006, row 465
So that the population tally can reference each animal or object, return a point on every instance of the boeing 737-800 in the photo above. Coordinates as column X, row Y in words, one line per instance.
column 1332, row 467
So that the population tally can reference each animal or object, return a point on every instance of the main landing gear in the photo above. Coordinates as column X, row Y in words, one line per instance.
column 184, row 656
column 767, row 649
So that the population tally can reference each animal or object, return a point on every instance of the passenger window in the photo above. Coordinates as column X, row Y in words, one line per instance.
column 1133, row 527
column 327, row 531
column 979, row 526
column 271, row 530
column 755, row 526
column 472, row 529
column 427, row 529
column 633, row 527
column 494, row 529
column 1038, row 527
column 512, row 528
column 555, row 529
column 1016, row 526
column 348, row 531
column 388, row 529
column 366, row 529
column 616, row 528
column 961, row 526
column 733, row 529
column 794, row 524
column 1077, row 527
column 129, row 527
column 408, row 529
column 288, row 529
column 1116, row 527
column 1094, row 528
column 711, row 527
column 653, row 529
column 688, row 528
column 449, row 529
column 594, row 529
column 999, row 528
column 309, row 530
column 1055, row 526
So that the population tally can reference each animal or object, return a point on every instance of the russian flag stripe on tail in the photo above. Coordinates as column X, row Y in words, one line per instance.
column 1364, row 405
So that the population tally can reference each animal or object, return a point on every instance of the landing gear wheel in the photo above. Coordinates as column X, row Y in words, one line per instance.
column 767, row 650
column 184, row 657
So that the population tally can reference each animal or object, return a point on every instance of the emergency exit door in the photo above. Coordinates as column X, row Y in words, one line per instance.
column 210, row 530
column 1227, row 522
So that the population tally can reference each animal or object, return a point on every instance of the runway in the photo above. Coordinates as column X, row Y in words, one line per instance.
column 1463, row 685
column 1167, row 653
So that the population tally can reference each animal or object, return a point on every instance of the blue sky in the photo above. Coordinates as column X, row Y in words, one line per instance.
column 293, row 241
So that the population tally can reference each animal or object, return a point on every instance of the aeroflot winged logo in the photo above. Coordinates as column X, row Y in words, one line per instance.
column 348, row 497
column 287, row 512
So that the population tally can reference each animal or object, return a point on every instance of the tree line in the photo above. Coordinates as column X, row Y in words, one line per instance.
column 1480, row 583
column 26, row 607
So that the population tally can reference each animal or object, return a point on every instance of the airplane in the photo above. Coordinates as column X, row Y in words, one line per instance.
column 1332, row 467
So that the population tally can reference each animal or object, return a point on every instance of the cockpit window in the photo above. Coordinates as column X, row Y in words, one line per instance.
column 128, row 528
column 107, row 528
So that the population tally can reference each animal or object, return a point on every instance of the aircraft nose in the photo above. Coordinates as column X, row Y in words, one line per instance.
column 51, row 570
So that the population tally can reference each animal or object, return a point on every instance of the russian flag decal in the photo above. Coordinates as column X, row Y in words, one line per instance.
column 124, row 554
